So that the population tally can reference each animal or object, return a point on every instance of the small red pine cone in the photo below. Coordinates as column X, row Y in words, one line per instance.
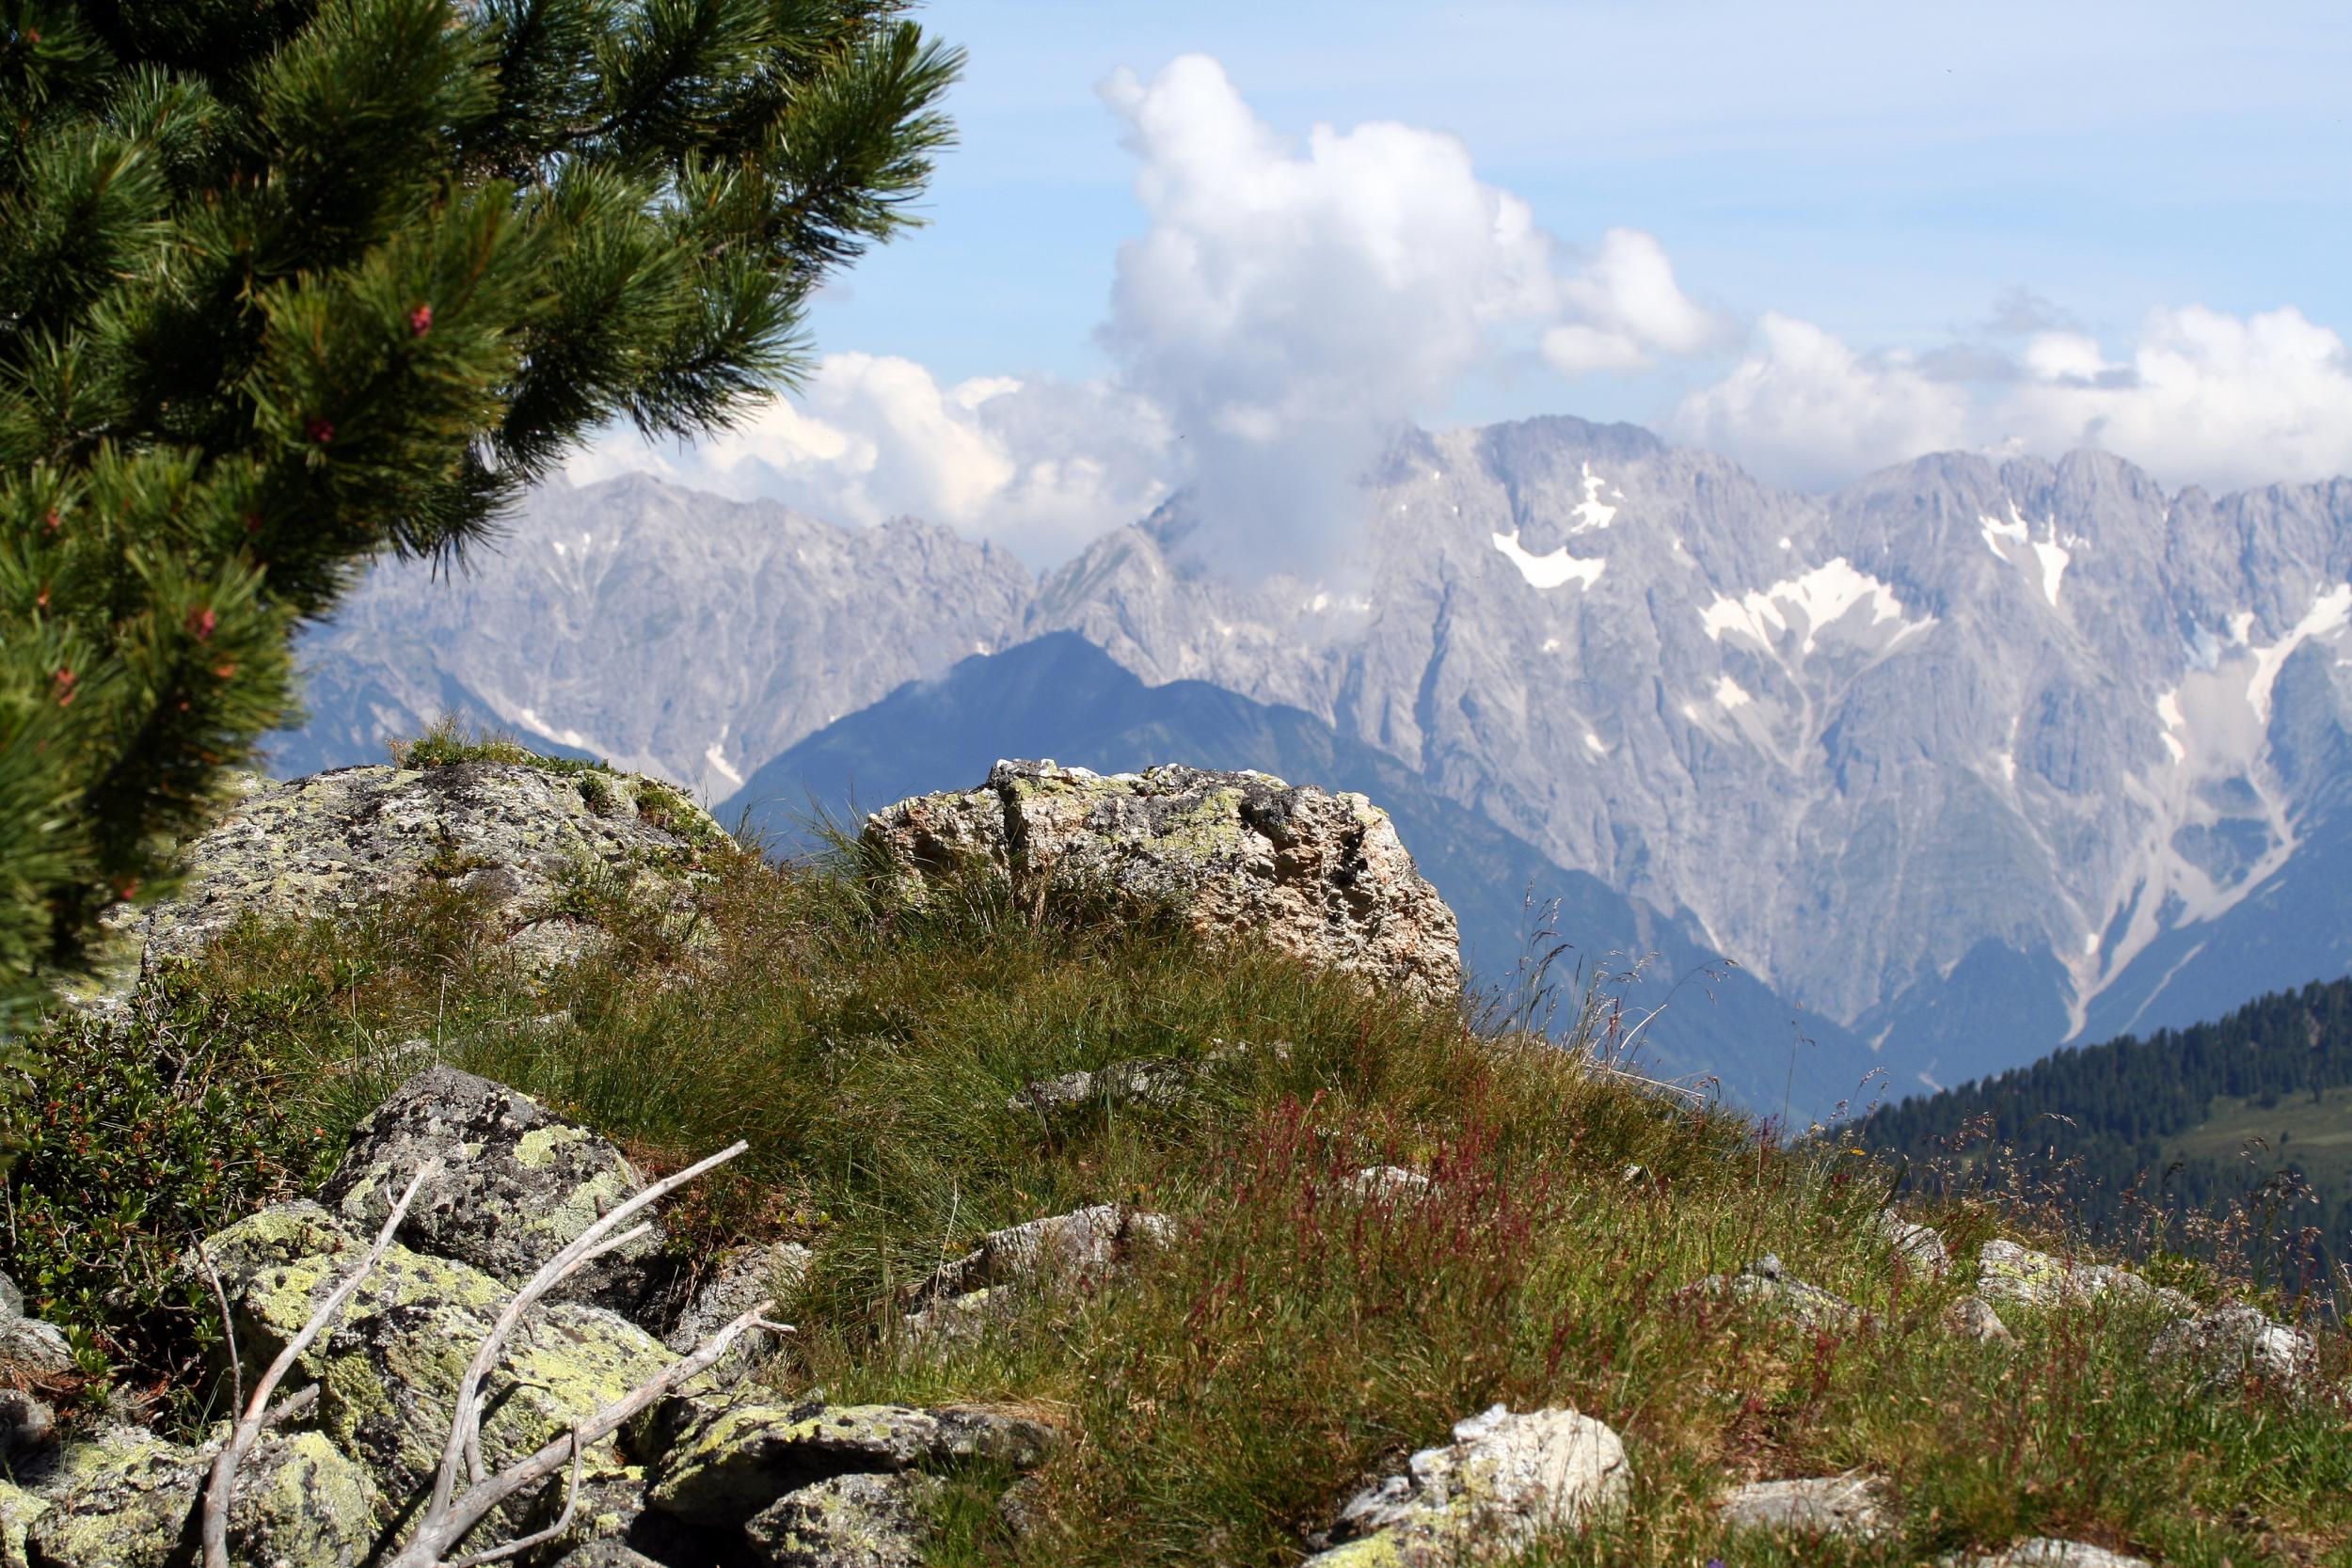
column 322, row 430
column 200, row 624
column 421, row 321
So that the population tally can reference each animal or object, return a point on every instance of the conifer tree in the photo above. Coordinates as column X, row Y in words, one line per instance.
column 285, row 284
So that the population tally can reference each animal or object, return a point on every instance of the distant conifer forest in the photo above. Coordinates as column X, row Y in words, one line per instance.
column 2231, row 1136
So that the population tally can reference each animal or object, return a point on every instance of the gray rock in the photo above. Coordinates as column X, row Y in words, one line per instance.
column 1504, row 1482
column 1860, row 1506
column 1161, row 1082
column 1242, row 856
column 518, row 1184
column 18, row 1509
column 1019, row 1508
column 1083, row 1245
column 2232, row 1342
column 26, row 1420
column 1919, row 1247
column 744, row 1278
column 740, row 1458
column 342, row 842
column 2006, row 1272
column 1974, row 1316
column 1766, row 1284
column 36, row 1346
column 852, row 1521
column 2047, row 1552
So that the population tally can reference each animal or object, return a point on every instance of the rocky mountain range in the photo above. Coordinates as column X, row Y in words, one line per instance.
column 1967, row 759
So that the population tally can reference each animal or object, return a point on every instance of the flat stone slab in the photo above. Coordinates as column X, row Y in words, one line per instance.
column 2048, row 1552
column 1828, row 1505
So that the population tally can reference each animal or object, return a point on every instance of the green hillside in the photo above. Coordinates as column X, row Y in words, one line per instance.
column 2148, row 1140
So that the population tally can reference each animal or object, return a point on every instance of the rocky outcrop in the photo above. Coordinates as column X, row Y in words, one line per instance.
column 1319, row 876
column 858, row 1521
column 744, row 1278
column 125, row 1500
column 518, row 1184
column 2006, row 1272
column 2233, row 1343
column 1503, row 1484
column 1918, row 1246
column 1859, row 1506
column 511, row 834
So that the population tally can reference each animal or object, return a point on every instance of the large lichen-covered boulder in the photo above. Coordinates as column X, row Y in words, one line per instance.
column 124, row 1499
column 1505, row 1482
column 301, row 1502
column 513, row 834
column 388, row 1367
column 856, row 1521
column 19, row 1508
column 1320, row 876
column 518, row 1184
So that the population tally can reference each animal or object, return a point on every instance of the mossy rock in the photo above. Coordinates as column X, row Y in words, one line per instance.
column 127, row 1500
column 388, row 1367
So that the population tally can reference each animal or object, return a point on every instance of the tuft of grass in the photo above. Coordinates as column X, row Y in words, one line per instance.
column 448, row 741
column 1222, row 1397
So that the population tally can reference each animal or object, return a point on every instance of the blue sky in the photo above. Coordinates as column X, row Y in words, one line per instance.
column 2156, row 198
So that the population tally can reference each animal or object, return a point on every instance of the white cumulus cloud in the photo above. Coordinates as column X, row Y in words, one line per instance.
column 1041, row 466
column 1289, row 305
column 2202, row 397
column 1803, row 409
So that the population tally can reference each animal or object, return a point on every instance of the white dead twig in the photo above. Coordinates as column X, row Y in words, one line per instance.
column 259, row 1411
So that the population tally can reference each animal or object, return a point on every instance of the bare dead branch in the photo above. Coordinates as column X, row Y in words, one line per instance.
column 463, row 1447
column 259, row 1412
column 228, row 1330
column 522, row 1544
column 443, row 1528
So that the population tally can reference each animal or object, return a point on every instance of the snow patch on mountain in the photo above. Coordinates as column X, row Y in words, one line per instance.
column 1592, row 512
column 1553, row 569
column 2012, row 542
column 1821, row 599
column 2329, row 615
